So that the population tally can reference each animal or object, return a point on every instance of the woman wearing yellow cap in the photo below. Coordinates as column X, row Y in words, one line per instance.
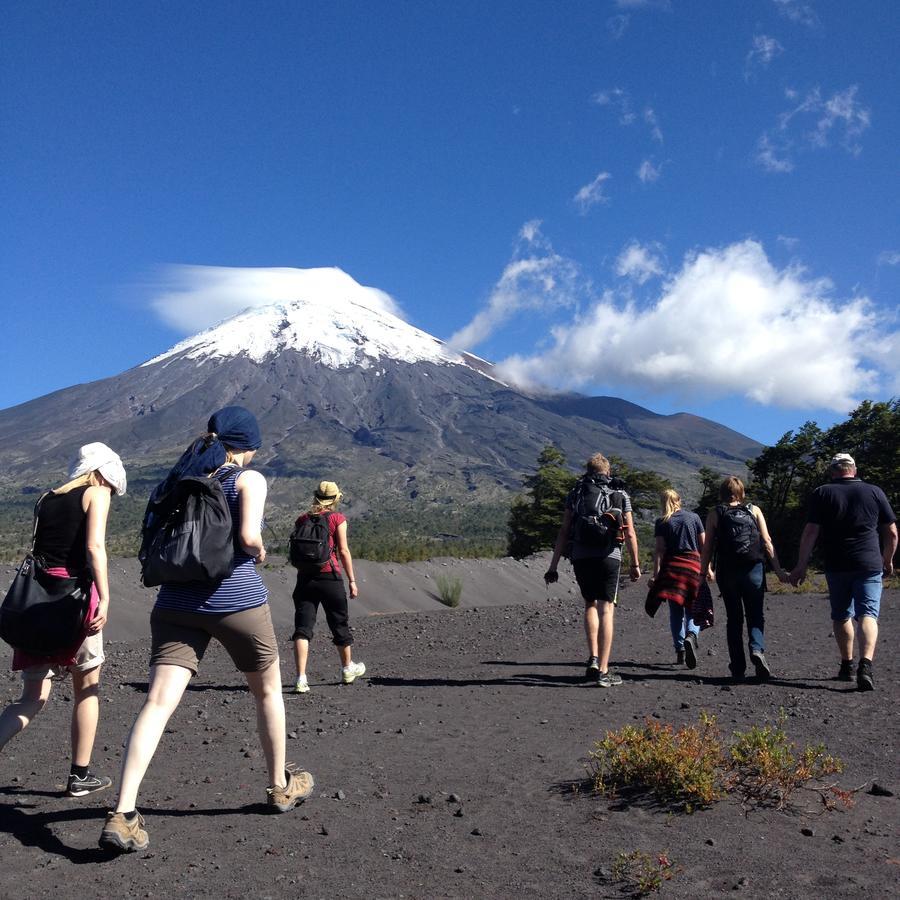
column 324, row 584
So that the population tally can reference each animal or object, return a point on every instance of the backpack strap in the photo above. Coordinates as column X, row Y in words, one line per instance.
column 34, row 527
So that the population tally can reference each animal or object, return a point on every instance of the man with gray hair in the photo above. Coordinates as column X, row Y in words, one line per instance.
column 858, row 531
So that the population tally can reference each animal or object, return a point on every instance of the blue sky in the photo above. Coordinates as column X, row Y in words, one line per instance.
column 692, row 205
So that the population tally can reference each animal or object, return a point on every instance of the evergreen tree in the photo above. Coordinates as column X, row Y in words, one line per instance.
column 534, row 517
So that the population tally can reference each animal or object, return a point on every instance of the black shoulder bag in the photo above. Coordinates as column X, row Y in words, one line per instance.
column 43, row 614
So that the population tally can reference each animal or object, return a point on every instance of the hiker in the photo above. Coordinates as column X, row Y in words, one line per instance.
column 234, row 610
column 676, row 579
column 850, row 516
column 597, row 521
column 737, row 535
column 319, row 581
column 71, row 537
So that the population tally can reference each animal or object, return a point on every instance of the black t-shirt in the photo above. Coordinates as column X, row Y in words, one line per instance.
column 850, row 513
column 681, row 532
column 62, row 530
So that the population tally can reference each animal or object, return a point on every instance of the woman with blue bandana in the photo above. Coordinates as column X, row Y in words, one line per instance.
column 234, row 611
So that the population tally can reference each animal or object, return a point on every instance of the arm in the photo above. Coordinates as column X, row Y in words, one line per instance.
column 807, row 542
column 889, row 545
column 343, row 549
column 631, row 541
column 96, row 505
column 708, row 545
column 251, row 488
column 562, row 536
column 768, row 545
column 659, row 552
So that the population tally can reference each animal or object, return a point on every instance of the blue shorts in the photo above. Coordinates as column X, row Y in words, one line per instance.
column 854, row 594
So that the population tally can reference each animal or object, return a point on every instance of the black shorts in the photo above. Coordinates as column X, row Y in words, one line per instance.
column 598, row 578
column 327, row 590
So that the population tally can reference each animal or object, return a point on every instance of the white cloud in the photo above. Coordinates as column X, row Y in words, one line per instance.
column 763, row 50
column 616, row 26
column 644, row 4
column 790, row 242
column 191, row 298
column 536, row 278
column 639, row 262
column 653, row 123
column 889, row 258
column 814, row 121
column 797, row 11
column 618, row 99
column 728, row 323
column 592, row 193
column 773, row 157
column 648, row 172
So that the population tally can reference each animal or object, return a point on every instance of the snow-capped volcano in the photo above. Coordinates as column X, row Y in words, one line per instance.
column 331, row 318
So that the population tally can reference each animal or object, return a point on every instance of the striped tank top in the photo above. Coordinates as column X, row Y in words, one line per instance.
column 243, row 589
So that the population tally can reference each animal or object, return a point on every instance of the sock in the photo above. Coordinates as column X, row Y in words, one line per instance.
column 865, row 661
column 130, row 816
column 80, row 771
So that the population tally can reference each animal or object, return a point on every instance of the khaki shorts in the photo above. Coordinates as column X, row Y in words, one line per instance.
column 181, row 638
column 90, row 655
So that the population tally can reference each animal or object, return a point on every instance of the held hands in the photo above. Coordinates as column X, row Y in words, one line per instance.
column 100, row 617
column 796, row 576
column 888, row 569
column 782, row 576
column 551, row 576
column 261, row 558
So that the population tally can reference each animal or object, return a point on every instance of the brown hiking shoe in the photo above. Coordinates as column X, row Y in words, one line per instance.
column 299, row 786
column 123, row 836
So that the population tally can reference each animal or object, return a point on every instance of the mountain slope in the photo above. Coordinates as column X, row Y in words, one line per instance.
column 418, row 435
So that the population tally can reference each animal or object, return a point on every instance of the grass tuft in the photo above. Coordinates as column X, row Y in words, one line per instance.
column 449, row 589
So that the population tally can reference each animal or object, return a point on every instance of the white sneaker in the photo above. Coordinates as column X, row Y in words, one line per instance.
column 350, row 673
column 302, row 686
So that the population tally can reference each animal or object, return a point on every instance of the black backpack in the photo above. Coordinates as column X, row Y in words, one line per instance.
column 598, row 513
column 188, row 534
column 310, row 543
column 738, row 537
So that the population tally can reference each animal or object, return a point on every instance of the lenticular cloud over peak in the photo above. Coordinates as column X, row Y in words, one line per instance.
column 192, row 298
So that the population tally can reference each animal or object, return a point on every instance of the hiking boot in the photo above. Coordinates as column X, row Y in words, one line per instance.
column 299, row 786
column 350, row 673
column 690, row 650
column 592, row 669
column 865, row 681
column 608, row 679
column 90, row 784
column 761, row 666
column 124, row 836
column 302, row 685
column 679, row 657
column 845, row 673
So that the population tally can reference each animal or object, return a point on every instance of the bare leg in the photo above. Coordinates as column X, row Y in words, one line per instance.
column 167, row 684
column 606, row 612
column 85, row 714
column 868, row 635
column 301, row 655
column 843, row 635
column 16, row 716
column 346, row 655
column 266, row 690
column 591, row 627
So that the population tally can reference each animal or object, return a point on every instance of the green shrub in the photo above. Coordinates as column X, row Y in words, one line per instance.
column 449, row 589
column 694, row 767
column 642, row 873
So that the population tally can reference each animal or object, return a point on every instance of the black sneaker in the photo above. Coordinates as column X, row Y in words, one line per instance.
column 90, row 784
column 679, row 657
column 690, row 650
column 865, row 681
column 592, row 669
column 845, row 673
column 761, row 666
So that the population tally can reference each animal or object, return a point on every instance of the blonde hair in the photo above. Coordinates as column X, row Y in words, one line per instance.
column 731, row 488
column 671, row 503
column 94, row 479
column 597, row 464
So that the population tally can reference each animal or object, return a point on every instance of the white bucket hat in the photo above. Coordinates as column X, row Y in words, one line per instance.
column 99, row 457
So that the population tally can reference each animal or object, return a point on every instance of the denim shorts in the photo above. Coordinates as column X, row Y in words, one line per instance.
column 854, row 594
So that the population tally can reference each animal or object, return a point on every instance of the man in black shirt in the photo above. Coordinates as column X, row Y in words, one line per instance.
column 849, row 516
